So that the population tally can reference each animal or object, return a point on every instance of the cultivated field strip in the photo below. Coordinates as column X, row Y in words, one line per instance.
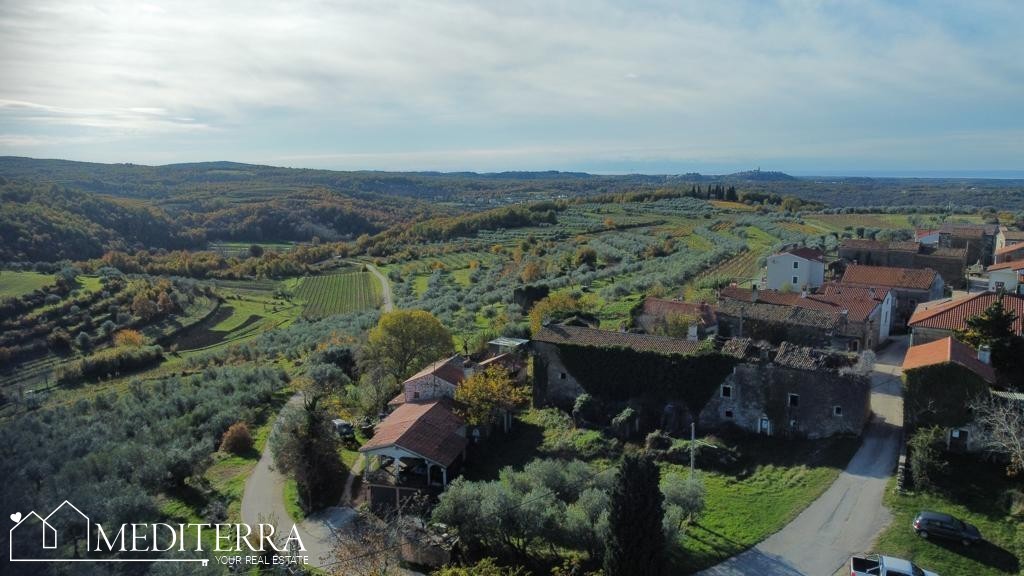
column 338, row 293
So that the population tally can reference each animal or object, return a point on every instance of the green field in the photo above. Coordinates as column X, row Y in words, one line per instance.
column 15, row 284
column 338, row 293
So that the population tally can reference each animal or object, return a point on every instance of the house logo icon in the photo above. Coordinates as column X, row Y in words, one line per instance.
column 64, row 535
column 42, row 539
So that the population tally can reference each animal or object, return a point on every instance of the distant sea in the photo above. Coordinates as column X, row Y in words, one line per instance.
column 966, row 174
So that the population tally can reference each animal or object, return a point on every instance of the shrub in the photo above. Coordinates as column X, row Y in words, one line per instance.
column 237, row 439
column 926, row 448
column 129, row 338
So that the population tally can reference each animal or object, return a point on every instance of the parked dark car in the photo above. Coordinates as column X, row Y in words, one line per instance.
column 938, row 525
column 344, row 428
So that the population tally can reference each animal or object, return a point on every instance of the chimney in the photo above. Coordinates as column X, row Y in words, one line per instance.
column 803, row 293
column 753, row 293
column 871, row 291
column 985, row 354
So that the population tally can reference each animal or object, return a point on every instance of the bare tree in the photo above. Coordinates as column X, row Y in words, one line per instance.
column 1002, row 422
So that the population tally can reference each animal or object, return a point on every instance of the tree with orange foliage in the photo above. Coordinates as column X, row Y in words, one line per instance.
column 129, row 338
column 485, row 396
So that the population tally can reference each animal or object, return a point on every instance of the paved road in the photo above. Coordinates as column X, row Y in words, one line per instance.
column 263, row 499
column 848, row 517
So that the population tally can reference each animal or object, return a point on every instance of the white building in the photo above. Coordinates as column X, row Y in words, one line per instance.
column 797, row 268
column 1006, row 276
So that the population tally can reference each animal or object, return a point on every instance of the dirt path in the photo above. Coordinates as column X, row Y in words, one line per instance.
column 848, row 517
column 387, row 302
column 263, row 499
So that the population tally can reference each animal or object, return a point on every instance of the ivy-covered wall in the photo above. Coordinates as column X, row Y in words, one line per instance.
column 621, row 374
column 940, row 395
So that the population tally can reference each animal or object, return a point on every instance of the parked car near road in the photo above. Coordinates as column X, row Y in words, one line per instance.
column 930, row 524
column 875, row 565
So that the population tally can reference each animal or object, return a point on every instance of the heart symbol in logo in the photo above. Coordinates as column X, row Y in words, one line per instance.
column 16, row 517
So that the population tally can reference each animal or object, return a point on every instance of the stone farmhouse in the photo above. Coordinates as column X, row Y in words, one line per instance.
column 774, row 390
column 950, row 262
column 909, row 286
column 844, row 317
column 1007, row 237
column 979, row 240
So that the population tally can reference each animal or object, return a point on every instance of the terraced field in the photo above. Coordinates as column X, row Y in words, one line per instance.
column 338, row 293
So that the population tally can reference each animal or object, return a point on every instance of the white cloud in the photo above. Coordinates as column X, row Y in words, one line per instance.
column 733, row 79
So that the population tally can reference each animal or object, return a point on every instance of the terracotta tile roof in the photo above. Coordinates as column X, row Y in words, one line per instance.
column 1009, row 248
column 806, row 358
column 1011, row 265
column 968, row 229
column 858, row 303
column 506, row 360
column 921, row 232
column 661, row 307
column 951, row 314
column 449, row 369
column 806, row 254
column 917, row 279
column 823, row 319
column 581, row 336
column 945, row 351
column 430, row 430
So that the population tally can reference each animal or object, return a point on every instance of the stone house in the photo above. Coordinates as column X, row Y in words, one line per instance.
column 942, row 318
column 784, row 390
column 941, row 378
column 1007, row 237
column 555, row 384
column 979, row 240
column 949, row 262
column 798, row 268
column 437, row 380
column 909, row 286
column 657, row 312
column 842, row 317
column 790, row 390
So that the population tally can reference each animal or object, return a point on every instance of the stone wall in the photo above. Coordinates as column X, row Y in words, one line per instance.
column 761, row 391
column 552, row 382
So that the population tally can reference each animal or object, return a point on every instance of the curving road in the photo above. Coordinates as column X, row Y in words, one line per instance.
column 848, row 517
column 263, row 499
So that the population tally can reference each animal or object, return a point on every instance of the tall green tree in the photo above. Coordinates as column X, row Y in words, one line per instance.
column 994, row 328
column 636, row 543
column 404, row 341
column 305, row 445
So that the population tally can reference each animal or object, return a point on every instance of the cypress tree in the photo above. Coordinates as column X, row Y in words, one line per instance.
column 635, row 544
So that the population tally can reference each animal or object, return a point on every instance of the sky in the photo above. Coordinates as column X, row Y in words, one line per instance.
column 806, row 87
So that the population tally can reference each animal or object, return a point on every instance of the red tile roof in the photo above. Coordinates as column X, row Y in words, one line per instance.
column 581, row 336
column 917, row 279
column 945, row 351
column 449, row 369
column 950, row 314
column 429, row 430
column 1009, row 248
column 661, row 307
column 807, row 254
column 1011, row 265
column 856, row 301
column 863, row 244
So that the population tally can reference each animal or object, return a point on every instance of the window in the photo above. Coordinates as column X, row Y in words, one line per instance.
column 912, row 303
column 792, row 424
column 794, row 400
column 415, row 395
column 796, row 265
column 956, row 434
column 795, row 280
column 728, row 413
column 726, row 391
column 837, row 410
column 561, row 376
